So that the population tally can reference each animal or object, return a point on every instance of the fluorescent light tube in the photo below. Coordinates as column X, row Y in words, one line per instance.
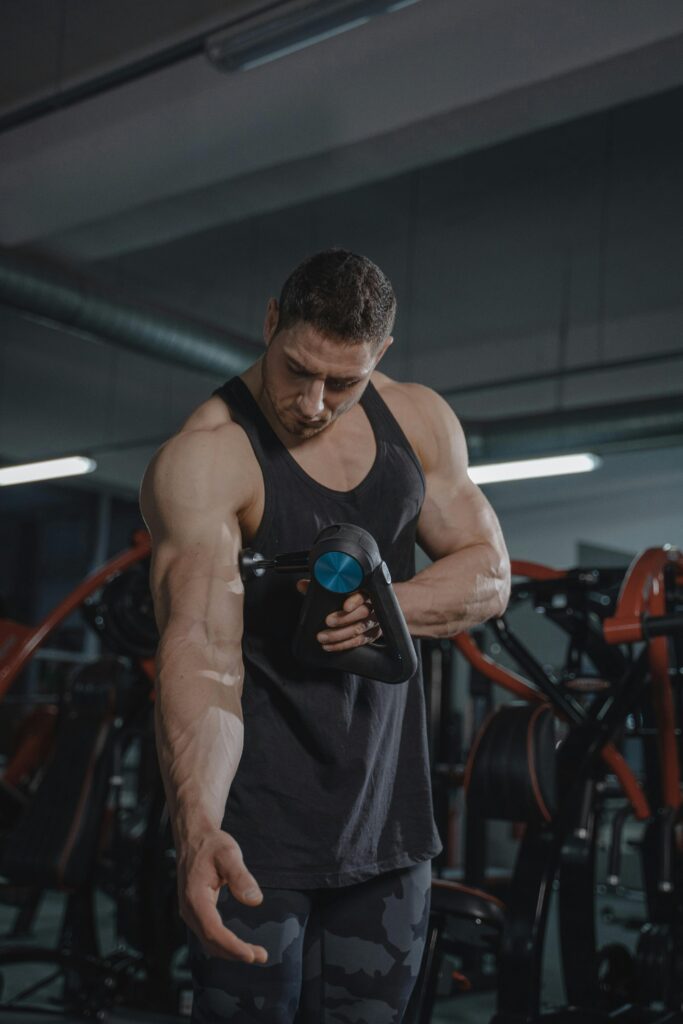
column 528, row 469
column 51, row 469
column 301, row 44
column 289, row 27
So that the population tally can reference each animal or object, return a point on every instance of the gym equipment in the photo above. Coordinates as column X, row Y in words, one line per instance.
column 463, row 922
column 75, row 834
column 123, row 614
column 21, row 642
column 620, row 682
column 18, row 644
column 343, row 559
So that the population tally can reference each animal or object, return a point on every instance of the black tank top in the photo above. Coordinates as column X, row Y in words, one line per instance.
column 333, row 786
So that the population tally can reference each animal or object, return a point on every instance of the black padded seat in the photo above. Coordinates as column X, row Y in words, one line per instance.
column 461, row 919
column 460, row 900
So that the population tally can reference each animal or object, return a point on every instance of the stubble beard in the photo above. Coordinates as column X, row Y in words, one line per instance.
column 294, row 427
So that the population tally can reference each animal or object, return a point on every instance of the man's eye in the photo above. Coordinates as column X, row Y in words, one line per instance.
column 333, row 385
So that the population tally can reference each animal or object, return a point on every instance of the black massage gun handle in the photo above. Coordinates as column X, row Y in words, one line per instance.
column 391, row 661
column 390, row 618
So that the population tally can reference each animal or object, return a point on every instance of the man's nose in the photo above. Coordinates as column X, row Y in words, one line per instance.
column 311, row 398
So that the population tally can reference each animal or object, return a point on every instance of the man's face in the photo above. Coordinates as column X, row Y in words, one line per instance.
column 310, row 381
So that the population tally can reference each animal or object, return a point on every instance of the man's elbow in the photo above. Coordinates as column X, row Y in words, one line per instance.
column 501, row 577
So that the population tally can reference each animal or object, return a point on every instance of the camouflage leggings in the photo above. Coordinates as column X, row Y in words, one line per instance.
column 335, row 956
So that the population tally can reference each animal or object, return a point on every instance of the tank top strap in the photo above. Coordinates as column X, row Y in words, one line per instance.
column 267, row 446
column 246, row 412
column 385, row 425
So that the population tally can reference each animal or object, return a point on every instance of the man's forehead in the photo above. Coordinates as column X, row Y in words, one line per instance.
column 319, row 355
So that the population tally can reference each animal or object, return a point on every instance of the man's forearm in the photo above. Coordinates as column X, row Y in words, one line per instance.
column 456, row 592
column 199, row 730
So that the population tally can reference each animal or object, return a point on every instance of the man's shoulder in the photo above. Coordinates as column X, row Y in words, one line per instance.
column 210, row 432
column 211, row 414
column 419, row 410
column 209, row 456
column 408, row 393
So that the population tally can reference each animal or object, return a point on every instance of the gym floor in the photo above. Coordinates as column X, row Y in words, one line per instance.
column 614, row 911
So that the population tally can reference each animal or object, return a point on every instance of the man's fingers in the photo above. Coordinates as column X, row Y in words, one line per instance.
column 344, row 618
column 349, row 645
column 243, row 886
column 225, row 944
column 353, row 625
column 217, row 940
column 357, row 635
column 202, row 916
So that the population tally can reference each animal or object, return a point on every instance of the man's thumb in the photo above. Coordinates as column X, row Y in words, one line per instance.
column 240, row 882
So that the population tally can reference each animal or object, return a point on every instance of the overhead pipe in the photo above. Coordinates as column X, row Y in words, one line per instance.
column 45, row 292
column 64, row 298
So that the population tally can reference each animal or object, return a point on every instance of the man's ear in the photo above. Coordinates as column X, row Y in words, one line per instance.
column 384, row 346
column 271, row 321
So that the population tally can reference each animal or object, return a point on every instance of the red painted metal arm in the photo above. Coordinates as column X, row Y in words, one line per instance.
column 536, row 571
column 520, row 687
column 28, row 639
column 643, row 594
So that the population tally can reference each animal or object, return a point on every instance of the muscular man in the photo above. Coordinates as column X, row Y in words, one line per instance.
column 300, row 798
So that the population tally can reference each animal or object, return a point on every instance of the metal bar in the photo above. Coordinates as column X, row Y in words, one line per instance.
column 552, row 375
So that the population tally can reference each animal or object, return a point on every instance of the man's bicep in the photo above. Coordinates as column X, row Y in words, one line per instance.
column 455, row 517
column 191, row 512
column 455, row 513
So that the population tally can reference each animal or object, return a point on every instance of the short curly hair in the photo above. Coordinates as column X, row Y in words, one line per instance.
column 345, row 296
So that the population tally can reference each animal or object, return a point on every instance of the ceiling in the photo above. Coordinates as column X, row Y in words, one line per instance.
column 186, row 146
column 164, row 151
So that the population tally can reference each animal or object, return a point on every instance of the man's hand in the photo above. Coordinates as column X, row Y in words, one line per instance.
column 204, row 866
column 354, row 625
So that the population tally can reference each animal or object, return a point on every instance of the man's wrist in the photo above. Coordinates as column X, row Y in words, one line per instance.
column 403, row 593
column 192, row 823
